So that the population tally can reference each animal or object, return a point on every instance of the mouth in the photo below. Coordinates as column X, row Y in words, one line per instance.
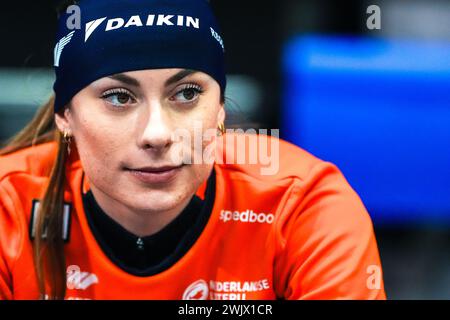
column 155, row 175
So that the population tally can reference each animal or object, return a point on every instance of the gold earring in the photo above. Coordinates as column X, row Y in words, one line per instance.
column 221, row 129
column 67, row 138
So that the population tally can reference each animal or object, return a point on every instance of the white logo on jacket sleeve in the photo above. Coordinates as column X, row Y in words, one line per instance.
column 247, row 216
column 60, row 46
column 79, row 280
column 196, row 291
column 67, row 208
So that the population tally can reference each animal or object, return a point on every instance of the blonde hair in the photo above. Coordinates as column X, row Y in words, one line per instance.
column 49, row 256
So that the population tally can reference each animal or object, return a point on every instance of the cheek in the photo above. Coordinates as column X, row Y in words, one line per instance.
column 210, row 126
column 201, row 128
column 98, row 143
column 207, row 114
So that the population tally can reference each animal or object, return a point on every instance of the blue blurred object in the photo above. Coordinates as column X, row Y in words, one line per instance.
column 380, row 110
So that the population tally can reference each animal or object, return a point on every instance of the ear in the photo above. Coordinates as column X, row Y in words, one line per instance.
column 62, row 120
column 221, row 115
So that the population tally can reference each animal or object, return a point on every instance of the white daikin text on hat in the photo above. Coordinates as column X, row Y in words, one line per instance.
column 159, row 20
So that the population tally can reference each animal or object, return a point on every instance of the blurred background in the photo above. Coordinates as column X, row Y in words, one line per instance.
column 373, row 98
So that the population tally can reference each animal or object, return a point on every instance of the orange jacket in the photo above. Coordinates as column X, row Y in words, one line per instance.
column 300, row 234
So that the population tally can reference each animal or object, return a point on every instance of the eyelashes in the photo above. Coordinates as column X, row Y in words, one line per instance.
column 188, row 94
column 121, row 97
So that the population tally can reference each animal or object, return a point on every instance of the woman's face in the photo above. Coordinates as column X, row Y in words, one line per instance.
column 124, row 126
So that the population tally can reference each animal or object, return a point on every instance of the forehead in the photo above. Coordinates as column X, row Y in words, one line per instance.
column 165, row 77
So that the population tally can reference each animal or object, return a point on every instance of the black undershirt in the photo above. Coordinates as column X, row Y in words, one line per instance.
column 144, row 256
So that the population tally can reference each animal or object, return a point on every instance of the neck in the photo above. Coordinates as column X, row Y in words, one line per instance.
column 139, row 223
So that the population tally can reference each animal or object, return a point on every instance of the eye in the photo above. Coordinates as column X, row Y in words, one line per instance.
column 118, row 97
column 188, row 94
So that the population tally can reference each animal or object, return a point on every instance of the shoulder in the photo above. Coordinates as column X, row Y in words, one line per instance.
column 34, row 160
column 319, row 227
column 299, row 186
column 268, row 159
column 23, row 177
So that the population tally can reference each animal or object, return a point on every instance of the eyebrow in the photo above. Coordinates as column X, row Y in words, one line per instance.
column 134, row 82
column 125, row 79
column 180, row 75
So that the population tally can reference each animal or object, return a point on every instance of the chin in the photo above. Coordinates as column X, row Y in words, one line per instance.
column 156, row 200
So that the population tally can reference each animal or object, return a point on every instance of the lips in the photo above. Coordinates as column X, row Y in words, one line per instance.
column 155, row 175
column 156, row 169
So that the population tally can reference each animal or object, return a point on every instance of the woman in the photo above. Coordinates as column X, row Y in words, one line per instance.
column 102, row 195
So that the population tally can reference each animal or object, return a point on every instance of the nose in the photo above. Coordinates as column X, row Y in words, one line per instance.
column 156, row 133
